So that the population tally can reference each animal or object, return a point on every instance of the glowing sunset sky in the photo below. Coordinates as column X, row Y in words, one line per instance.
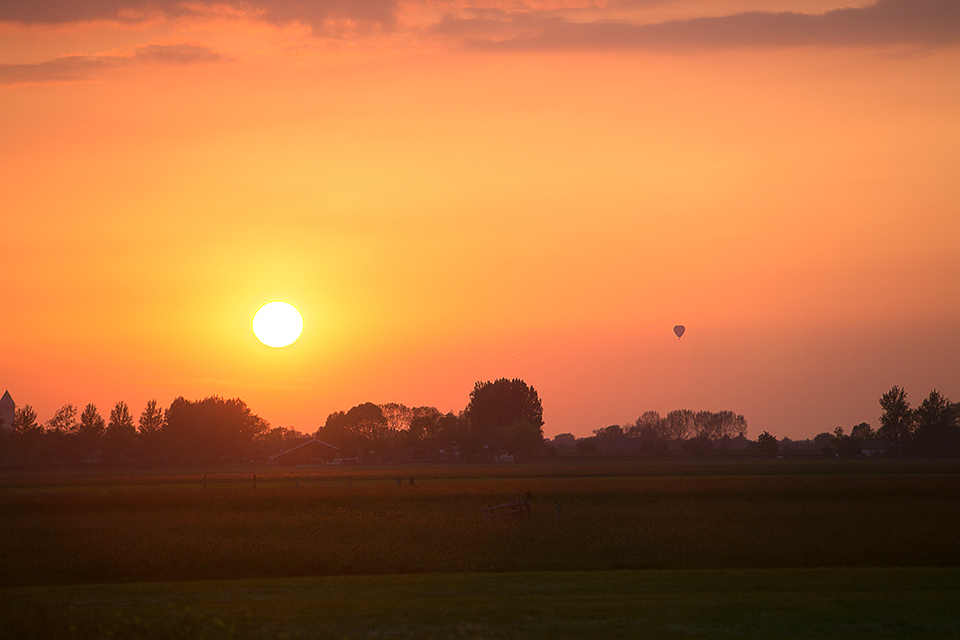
column 453, row 191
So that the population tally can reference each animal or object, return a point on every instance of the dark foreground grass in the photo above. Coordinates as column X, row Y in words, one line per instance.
column 744, row 604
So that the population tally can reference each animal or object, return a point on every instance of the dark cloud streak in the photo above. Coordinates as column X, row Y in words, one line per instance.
column 315, row 13
column 77, row 68
column 887, row 22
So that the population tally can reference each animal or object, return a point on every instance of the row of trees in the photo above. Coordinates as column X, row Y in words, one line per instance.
column 696, row 432
column 679, row 425
column 504, row 416
column 208, row 430
column 931, row 429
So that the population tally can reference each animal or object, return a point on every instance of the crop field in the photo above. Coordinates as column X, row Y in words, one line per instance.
column 746, row 549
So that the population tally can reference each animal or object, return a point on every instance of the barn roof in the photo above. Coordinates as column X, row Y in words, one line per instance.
column 6, row 400
column 308, row 443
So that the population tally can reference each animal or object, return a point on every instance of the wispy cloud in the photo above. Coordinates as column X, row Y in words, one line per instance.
column 80, row 67
column 885, row 23
column 318, row 14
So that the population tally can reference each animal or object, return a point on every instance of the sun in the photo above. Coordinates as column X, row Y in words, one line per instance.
column 277, row 324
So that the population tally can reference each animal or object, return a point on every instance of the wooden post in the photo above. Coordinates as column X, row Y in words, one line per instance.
column 411, row 481
column 254, row 481
column 399, row 481
column 204, row 481
column 349, row 481
column 298, row 481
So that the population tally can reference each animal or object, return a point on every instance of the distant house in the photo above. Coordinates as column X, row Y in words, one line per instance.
column 312, row 451
column 871, row 448
column 8, row 411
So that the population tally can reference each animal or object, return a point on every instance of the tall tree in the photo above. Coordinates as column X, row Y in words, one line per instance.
column 25, row 419
column 150, row 428
column 507, row 416
column 64, row 420
column 936, row 429
column 121, row 434
column 650, row 427
column 862, row 431
column 151, row 419
column 211, row 430
column 679, row 424
column 767, row 445
column 92, row 427
column 897, row 418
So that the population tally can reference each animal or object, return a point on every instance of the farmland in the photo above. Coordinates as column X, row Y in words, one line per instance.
column 881, row 532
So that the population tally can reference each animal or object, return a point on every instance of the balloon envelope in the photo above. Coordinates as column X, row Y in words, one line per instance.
column 679, row 330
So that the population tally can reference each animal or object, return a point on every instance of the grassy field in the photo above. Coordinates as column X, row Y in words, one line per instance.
column 778, row 549
column 743, row 604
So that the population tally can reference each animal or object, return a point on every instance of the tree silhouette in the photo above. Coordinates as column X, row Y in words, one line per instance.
column 25, row 419
column 767, row 444
column 121, row 435
column 91, row 429
column 211, row 430
column 936, row 430
column 897, row 418
column 506, row 416
column 64, row 420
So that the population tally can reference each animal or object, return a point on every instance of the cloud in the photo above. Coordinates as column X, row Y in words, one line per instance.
column 315, row 13
column 79, row 67
column 885, row 23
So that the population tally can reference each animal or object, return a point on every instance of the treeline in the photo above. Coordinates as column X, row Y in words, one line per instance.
column 205, row 431
column 930, row 430
column 679, row 431
column 504, row 417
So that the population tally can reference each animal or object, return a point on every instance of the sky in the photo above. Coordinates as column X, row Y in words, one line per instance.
column 454, row 191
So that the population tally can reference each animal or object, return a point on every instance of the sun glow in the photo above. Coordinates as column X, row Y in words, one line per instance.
column 277, row 324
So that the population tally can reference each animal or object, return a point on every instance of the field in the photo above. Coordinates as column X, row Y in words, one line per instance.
column 746, row 549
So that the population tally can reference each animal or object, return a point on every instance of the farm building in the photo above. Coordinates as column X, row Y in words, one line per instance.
column 412, row 453
column 8, row 410
column 312, row 451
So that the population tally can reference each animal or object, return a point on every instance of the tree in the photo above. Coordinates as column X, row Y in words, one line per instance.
column 936, row 429
column 91, row 429
column 650, row 427
column 25, row 419
column 28, row 434
column 362, row 429
column 844, row 445
column 211, row 430
column 679, row 424
column 897, row 418
column 767, row 444
column 121, row 434
column 151, row 419
column 64, row 420
column 613, row 431
column 862, row 432
column 504, row 415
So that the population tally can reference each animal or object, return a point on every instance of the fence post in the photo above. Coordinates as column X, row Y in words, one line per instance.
column 254, row 481
column 204, row 481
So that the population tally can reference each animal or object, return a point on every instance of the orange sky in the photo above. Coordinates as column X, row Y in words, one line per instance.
column 455, row 191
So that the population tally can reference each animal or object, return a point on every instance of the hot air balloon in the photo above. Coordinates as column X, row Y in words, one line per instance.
column 679, row 330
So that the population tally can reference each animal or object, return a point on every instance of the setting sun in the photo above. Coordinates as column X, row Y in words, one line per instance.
column 277, row 324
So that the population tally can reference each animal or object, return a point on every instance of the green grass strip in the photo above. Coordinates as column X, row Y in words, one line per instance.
column 736, row 603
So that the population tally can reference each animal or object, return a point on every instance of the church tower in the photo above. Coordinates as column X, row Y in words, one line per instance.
column 8, row 409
